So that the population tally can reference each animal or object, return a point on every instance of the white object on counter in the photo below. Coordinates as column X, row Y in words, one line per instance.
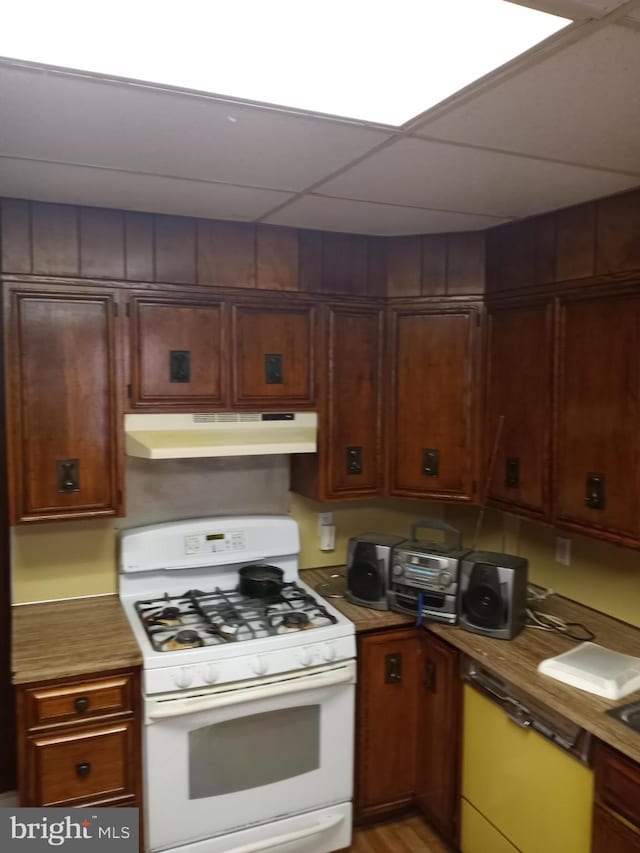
column 595, row 669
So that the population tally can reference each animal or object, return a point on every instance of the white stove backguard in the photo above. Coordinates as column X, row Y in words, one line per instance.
column 166, row 557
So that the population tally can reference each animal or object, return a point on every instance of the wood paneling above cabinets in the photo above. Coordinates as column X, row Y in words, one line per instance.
column 588, row 243
column 94, row 243
column 436, row 265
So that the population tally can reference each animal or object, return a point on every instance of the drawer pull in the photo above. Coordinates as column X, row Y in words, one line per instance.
column 83, row 768
column 81, row 704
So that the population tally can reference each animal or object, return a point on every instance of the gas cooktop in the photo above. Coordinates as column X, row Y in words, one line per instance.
column 196, row 618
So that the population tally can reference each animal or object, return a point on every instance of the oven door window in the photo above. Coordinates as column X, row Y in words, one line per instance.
column 250, row 752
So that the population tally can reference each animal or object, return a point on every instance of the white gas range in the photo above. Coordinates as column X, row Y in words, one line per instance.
column 248, row 701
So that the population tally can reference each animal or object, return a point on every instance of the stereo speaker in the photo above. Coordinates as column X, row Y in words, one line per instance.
column 492, row 595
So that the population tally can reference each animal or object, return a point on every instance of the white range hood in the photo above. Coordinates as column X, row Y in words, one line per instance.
column 221, row 434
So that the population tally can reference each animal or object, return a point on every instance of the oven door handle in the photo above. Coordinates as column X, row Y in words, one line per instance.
column 162, row 709
column 280, row 840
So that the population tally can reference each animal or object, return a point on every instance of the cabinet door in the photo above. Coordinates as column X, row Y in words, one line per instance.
column 432, row 411
column 439, row 735
column 65, row 418
column 348, row 463
column 273, row 355
column 177, row 353
column 518, row 406
column 386, row 722
column 611, row 834
column 597, row 458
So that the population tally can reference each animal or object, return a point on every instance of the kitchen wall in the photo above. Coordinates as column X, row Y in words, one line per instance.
column 68, row 559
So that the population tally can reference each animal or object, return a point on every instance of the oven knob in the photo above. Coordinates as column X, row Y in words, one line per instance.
column 328, row 652
column 210, row 674
column 183, row 678
column 305, row 656
column 445, row 578
column 260, row 666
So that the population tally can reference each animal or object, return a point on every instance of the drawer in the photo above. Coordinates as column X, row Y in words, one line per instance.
column 78, row 701
column 618, row 783
column 92, row 764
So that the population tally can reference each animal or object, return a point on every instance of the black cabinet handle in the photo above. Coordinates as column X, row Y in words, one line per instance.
column 430, row 670
column 393, row 668
column 594, row 497
column 179, row 366
column 83, row 768
column 273, row 368
column 512, row 473
column 68, row 475
column 430, row 462
column 81, row 704
column 354, row 460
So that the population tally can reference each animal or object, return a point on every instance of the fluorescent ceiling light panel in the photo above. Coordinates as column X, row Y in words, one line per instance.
column 376, row 61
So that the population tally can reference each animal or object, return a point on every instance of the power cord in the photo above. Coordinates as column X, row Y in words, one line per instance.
column 543, row 621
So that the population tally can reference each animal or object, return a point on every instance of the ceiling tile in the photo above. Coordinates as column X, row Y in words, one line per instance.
column 105, row 188
column 580, row 105
column 335, row 214
column 471, row 180
column 56, row 116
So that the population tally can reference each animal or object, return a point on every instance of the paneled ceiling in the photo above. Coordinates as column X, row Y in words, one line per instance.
column 558, row 126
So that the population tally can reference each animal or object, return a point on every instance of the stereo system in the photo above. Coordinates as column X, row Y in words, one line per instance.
column 483, row 591
column 424, row 575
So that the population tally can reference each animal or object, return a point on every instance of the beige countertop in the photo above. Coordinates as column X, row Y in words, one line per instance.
column 79, row 636
column 82, row 636
column 517, row 660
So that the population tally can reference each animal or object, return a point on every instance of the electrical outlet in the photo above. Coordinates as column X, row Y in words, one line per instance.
column 563, row 551
column 324, row 519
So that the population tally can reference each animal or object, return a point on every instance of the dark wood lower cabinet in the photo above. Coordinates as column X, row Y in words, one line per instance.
column 616, row 812
column 611, row 834
column 386, row 723
column 408, row 728
column 440, row 716
column 79, row 741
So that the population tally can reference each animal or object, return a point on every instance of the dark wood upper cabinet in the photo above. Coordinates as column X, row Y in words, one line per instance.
column 178, row 354
column 438, row 742
column 273, row 355
column 597, row 451
column 431, row 438
column 348, row 462
column 518, row 406
column 65, row 418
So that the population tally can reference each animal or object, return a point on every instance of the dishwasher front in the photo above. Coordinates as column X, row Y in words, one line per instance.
column 527, row 784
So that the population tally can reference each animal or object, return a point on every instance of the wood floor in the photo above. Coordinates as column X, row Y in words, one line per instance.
column 409, row 835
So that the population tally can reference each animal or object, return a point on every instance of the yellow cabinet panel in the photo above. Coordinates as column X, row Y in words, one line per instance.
column 478, row 836
column 536, row 795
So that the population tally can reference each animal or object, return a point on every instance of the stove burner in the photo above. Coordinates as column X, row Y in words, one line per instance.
column 186, row 638
column 169, row 613
column 218, row 617
column 295, row 619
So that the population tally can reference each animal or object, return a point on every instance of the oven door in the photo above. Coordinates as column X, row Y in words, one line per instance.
column 247, row 753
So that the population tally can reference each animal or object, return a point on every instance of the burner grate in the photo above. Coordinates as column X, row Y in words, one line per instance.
column 228, row 616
